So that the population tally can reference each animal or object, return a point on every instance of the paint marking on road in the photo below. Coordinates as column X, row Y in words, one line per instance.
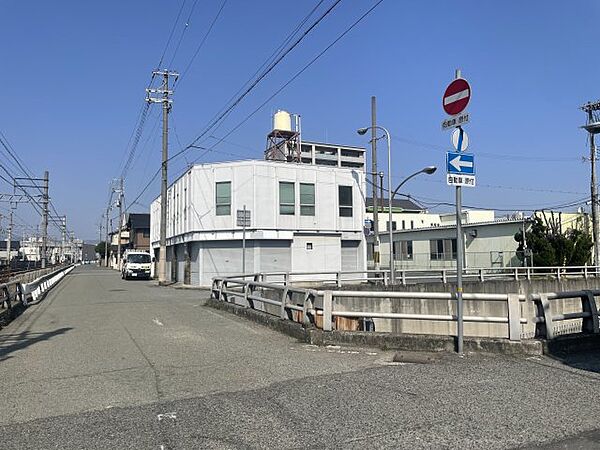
column 158, row 322
column 171, row 415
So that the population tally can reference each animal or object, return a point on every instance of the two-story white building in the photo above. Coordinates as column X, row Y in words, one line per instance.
column 302, row 217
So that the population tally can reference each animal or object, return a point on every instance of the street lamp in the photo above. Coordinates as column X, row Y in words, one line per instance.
column 362, row 131
column 427, row 170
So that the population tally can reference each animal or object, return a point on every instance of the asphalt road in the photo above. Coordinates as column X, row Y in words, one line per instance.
column 106, row 363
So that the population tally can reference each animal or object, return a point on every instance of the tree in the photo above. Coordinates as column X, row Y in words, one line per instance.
column 100, row 247
column 550, row 247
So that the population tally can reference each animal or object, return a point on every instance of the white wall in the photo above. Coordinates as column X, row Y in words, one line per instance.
column 255, row 184
column 485, row 244
column 276, row 242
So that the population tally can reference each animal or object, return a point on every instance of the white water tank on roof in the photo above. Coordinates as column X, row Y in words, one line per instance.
column 282, row 121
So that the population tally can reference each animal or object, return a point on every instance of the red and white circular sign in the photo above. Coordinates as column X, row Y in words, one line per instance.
column 457, row 96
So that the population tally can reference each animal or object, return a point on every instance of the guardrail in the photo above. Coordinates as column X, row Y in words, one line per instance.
column 550, row 318
column 412, row 276
column 321, row 307
column 17, row 291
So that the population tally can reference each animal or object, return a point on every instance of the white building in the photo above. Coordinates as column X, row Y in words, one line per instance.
column 407, row 215
column 303, row 217
column 486, row 244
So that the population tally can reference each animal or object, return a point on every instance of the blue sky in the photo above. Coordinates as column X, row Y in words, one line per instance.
column 74, row 74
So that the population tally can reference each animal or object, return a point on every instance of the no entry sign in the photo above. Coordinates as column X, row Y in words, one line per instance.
column 456, row 97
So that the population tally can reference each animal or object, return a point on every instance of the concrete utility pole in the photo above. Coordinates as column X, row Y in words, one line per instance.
column 106, row 241
column 376, row 242
column 593, row 128
column 45, row 201
column 120, row 203
column 166, row 103
column 9, row 239
column 63, row 238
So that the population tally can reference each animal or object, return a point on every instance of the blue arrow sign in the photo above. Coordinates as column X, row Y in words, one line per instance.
column 460, row 163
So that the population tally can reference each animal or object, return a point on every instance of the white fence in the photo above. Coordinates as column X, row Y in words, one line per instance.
column 405, row 277
column 17, row 291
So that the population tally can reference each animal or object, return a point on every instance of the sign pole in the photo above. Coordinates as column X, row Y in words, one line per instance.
column 459, row 255
column 244, row 243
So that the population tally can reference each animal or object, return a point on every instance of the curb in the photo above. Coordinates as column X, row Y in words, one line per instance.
column 384, row 341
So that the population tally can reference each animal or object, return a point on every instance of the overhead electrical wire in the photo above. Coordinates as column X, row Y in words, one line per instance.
column 202, row 42
column 291, row 80
column 185, row 28
column 271, row 66
column 265, row 72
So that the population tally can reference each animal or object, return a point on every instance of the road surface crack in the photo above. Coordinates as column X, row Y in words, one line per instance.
column 159, row 393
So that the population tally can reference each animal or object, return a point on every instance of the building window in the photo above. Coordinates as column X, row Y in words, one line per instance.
column 442, row 249
column 345, row 198
column 403, row 250
column 223, row 198
column 412, row 224
column 307, row 199
column 309, row 246
column 404, row 224
column 287, row 198
column 387, row 224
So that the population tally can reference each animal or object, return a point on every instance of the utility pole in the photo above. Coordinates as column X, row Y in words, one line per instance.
column 45, row 201
column 376, row 242
column 593, row 128
column 166, row 107
column 106, row 241
column 63, row 238
column 9, row 239
column 120, row 203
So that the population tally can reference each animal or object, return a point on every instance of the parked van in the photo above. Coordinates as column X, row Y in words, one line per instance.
column 136, row 264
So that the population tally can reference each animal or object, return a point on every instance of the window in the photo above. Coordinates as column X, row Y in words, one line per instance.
column 223, row 196
column 403, row 250
column 387, row 224
column 404, row 224
column 307, row 199
column 412, row 224
column 287, row 198
column 345, row 198
column 309, row 246
column 442, row 249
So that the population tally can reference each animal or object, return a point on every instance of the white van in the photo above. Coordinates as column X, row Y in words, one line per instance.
column 136, row 264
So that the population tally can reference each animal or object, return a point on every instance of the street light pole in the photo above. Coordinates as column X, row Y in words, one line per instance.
column 428, row 170
column 390, row 214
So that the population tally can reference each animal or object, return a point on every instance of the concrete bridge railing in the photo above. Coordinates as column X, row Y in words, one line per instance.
column 21, row 292
column 493, row 312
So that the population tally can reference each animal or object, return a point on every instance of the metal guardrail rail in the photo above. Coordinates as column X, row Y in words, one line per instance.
column 251, row 289
column 444, row 275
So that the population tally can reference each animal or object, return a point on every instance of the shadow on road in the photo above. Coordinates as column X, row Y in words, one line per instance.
column 10, row 343
column 581, row 352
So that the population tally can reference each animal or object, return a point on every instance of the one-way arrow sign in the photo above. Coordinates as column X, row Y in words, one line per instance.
column 460, row 163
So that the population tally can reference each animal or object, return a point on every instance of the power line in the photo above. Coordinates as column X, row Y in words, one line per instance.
column 185, row 27
column 309, row 64
column 300, row 72
column 204, row 38
column 268, row 70
column 162, row 57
